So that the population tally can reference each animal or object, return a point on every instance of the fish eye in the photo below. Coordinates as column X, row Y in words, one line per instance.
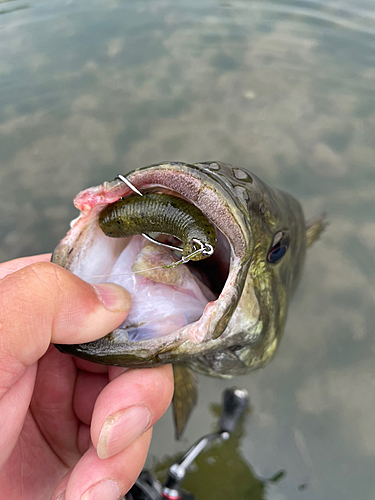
column 279, row 246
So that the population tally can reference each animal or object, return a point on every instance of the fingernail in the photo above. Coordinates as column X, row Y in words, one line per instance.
column 114, row 297
column 121, row 429
column 107, row 489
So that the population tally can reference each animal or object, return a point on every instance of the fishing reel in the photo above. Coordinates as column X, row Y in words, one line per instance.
column 147, row 487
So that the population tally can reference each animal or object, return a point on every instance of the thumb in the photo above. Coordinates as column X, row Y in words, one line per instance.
column 44, row 303
column 39, row 304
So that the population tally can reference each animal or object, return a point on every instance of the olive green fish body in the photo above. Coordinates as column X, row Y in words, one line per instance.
column 161, row 213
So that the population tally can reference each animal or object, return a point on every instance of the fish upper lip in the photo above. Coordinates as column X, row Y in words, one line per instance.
column 214, row 200
column 190, row 182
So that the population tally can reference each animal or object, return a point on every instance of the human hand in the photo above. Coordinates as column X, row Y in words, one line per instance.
column 57, row 412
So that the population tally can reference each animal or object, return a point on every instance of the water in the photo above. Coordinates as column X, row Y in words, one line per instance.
column 90, row 89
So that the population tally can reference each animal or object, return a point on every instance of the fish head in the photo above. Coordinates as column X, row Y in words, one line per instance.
column 255, row 268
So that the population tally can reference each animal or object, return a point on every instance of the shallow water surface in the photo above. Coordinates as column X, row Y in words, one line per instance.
column 94, row 88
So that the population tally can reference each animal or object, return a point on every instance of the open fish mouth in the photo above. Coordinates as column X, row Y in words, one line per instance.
column 177, row 312
column 223, row 313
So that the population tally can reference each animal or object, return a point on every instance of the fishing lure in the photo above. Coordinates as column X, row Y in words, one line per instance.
column 161, row 213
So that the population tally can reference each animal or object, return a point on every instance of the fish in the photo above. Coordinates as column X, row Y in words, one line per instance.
column 223, row 315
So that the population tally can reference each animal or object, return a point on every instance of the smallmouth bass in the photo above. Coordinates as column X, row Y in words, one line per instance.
column 221, row 316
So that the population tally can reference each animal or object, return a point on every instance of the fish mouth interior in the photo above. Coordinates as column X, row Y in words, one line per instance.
column 198, row 303
column 158, row 309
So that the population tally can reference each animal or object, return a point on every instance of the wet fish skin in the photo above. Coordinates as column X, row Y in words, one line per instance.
column 245, row 327
column 269, row 211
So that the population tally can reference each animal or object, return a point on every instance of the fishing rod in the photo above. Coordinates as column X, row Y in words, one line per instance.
column 147, row 487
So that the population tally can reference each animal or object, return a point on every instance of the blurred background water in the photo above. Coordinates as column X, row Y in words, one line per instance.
column 94, row 88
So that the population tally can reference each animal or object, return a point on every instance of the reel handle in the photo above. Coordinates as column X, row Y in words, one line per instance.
column 235, row 402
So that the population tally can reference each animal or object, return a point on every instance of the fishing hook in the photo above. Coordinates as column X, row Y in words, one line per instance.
column 205, row 249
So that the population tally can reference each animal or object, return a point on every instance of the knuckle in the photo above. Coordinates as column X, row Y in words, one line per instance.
column 46, row 275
